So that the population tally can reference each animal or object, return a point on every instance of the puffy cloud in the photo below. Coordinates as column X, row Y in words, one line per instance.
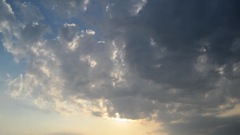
column 90, row 32
column 173, row 62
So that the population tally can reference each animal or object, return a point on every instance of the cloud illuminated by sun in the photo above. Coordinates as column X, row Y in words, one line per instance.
column 119, row 119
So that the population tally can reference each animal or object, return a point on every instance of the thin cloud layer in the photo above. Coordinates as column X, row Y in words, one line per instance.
column 175, row 62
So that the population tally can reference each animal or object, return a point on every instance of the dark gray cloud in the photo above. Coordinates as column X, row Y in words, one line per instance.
column 175, row 62
column 181, row 28
column 187, row 48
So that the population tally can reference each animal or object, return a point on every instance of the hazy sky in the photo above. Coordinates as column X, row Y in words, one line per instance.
column 120, row 67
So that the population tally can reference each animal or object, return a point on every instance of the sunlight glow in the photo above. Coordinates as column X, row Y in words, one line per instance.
column 119, row 119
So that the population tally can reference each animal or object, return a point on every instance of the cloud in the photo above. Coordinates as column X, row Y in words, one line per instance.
column 90, row 32
column 173, row 62
column 74, row 7
column 28, row 12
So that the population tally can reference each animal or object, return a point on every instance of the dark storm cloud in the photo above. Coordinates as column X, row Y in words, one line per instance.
column 179, row 28
column 181, row 31
column 186, row 46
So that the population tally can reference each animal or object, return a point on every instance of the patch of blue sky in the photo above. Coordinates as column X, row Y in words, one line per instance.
column 8, row 65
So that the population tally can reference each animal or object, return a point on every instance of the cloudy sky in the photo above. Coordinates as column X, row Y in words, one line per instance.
column 114, row 67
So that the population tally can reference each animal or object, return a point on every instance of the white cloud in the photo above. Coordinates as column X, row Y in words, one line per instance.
column 101, row 42
column 9, row 8
column 69, row 24
column 92, row 63
column 138, row 6
column 73, row 45
column 90, row 32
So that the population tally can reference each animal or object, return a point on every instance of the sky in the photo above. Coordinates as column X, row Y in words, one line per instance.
column 114, row 67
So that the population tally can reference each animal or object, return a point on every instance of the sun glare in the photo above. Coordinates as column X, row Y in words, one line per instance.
column 119, row 119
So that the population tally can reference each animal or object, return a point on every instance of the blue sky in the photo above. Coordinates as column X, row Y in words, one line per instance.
column 146, row 67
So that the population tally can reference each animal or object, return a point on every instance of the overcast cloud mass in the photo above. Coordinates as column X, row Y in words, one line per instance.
column 176, row 62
